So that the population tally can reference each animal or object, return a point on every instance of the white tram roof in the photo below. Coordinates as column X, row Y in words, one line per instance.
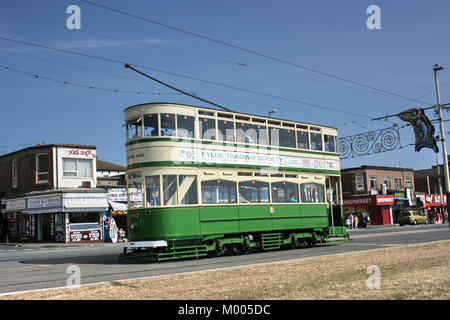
column 225, row 111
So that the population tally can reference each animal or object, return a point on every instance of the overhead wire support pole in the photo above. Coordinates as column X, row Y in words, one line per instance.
column 437, row 68
column 173, row 88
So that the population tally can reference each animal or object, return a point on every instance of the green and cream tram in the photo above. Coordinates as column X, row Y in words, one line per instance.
column 207, row 182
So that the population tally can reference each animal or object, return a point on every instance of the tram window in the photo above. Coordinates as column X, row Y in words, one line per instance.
column 253, row 192
column 330, row 143
column 316, row 141
column 167, row 124
column 226, row 130
column 284, row 192
column 152, row 191
column 282, row 137
column 185, row 126
column 134, row 129
column 170, row 190
column 187, row 189
column 312, row 193
column 151, row 128
column 251, row 133
column 207, row 128
column 218, row 192
column 303, row 139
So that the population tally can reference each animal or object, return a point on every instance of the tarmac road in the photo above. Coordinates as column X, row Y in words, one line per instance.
column 41, row 266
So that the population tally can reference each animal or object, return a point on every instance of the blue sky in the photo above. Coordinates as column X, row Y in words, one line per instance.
column 329, row 36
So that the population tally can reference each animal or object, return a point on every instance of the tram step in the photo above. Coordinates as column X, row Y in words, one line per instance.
column 183, row 253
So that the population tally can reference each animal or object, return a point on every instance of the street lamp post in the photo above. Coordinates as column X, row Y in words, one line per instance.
column 272, row 111
column 437, row 68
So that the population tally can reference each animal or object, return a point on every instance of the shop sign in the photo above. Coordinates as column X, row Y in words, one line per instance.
column 85, row 236
column 371, row 200
column 117, row 194
column 82, row 200
column 77, row 153
column 15, row 205
column 44, row 202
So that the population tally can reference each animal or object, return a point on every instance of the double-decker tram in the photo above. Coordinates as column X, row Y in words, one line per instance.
column 207, row 182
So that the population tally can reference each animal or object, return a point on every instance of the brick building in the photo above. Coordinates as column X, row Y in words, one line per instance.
column 378, row 190
column 49, row 193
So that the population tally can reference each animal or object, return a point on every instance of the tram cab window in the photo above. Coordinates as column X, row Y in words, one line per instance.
column 170, row 190
column 151, row 128
column 187, row 190
column 282, row 137
column 330, row 143
column 316, row 141
column 303, row 140
column 312, row 193
column 167, row 124
column 134, row 129
column 152, row 191
column 218, row 192
column 185, row 126
column 284, row 192
column 225, row 130
column 253, row 192
column 207, row 128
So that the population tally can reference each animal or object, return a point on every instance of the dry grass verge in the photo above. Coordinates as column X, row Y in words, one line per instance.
column 408, row 272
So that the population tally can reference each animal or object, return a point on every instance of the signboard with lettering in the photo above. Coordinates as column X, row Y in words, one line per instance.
column 256, row 159
column 369, row 201
column 359, row 180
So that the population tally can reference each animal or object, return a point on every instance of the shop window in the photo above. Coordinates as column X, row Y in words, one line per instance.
column 170, row 190
column 303, row 140
column 134, row 129
column 83, row 217
column 77, row 168
column 207, row 128
column 312, row 193
column 253, row 192
column 330, row 143
column 42, row 168
column 187, row 190
column 316, row 141
column 151, row 128
column 152, row 191
column 284, row 192
column 225, row 130
column 167, row 124
column 185, row 126
column 218, row 192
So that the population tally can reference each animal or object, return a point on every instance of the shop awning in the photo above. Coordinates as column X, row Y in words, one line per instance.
column 117, row 206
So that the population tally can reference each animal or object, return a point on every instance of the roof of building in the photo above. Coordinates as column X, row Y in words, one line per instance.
column 365, row 167
column 108, row 166
column 44, row 146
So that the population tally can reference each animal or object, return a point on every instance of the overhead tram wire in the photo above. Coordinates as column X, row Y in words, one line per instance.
column 189, row 77
column 173, row 88
column 252, row 51
column 36, row 76
column 246, row 65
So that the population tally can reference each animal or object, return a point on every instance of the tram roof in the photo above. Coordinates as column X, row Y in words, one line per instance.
column 225, row 111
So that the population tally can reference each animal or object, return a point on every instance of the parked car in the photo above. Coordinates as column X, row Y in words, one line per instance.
column 412, row 217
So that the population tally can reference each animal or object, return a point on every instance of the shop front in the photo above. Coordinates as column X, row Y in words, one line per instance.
column 379, row 207
column 115, row 219
column 432, row 206
column 57, row 216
